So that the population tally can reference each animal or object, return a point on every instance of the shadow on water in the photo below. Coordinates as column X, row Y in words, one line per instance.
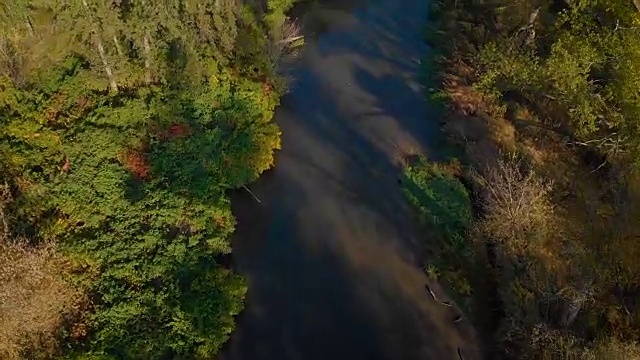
column 330, row 253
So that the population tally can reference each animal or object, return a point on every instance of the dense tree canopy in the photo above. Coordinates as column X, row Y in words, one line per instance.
column 122, row 125
column 544, row 96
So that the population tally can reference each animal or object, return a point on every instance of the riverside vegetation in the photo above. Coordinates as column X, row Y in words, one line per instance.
column 122, row 125
column 540, row 244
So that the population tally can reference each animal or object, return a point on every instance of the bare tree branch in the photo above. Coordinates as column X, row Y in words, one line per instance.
column 284, row 45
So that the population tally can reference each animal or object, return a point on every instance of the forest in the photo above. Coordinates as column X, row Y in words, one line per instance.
column 123, row 124
column 537, row 212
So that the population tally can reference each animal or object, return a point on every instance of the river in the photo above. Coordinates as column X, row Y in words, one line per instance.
column 330, row 253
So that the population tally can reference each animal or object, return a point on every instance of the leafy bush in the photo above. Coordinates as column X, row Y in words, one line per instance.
column 441, row 199
column 443, row 206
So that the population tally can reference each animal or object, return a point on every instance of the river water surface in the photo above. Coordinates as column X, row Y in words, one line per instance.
column 330, row 254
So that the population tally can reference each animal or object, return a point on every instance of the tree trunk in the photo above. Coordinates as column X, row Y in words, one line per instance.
column 117, row 44
column 531, row 36
column 147, row 51
column 574, row 305
column 571, row 312
column 107, row 68
column 147, row 59
column 103, row 55
column 534, row 15
column 5, row 197
column 29, row 26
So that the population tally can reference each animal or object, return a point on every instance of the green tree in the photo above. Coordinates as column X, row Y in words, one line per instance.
column 132, row 181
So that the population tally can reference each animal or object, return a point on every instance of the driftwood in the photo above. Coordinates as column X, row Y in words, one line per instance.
column 292, row 39
column 434, row 297
column 252, row 194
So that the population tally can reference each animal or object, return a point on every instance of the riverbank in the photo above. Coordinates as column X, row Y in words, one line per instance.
column 121, row 140
column 552, row 183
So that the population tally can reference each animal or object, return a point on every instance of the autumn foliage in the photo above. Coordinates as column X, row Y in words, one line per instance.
column 136, row 162
column 123, row 125
column 542, row 98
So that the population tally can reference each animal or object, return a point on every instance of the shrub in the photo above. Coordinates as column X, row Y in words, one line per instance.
column 441, row 199
column 516, row 205
column 443, row 205
column 34, row 299
column 551, row 344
